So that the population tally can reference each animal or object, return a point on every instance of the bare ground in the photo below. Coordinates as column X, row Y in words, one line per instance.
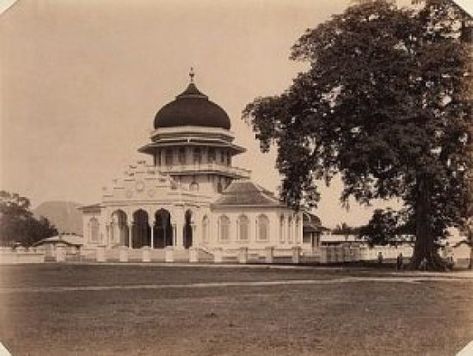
column 340, row 312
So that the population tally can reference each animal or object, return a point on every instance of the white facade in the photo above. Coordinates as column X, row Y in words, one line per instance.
column 191, row 196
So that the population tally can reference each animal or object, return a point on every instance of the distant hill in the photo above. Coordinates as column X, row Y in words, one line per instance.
column 63, row 214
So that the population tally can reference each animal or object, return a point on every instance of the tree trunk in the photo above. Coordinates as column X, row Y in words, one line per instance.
column 425, row 255
column 470, row 264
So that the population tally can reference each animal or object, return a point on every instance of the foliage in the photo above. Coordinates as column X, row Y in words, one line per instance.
column 386, row 227
column 17, row 223
column 345, row 229
column 383, row 105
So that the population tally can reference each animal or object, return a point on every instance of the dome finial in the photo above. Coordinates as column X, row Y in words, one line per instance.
column 192, row 74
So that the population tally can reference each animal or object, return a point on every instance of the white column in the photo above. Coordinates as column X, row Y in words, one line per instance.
column 178, row 220
column 174, row 238
column 295, row 233
column 179, row 235
column 130, row 235
column 152, row 235
column 107, row 235
column 195, row 238
column 163, row 157
column 282, row 227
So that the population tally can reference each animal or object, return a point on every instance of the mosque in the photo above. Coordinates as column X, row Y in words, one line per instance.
column 192, row 196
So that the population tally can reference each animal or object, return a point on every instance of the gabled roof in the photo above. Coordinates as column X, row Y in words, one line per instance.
column 244, row 192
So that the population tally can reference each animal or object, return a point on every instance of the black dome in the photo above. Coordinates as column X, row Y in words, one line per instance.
column 192, row 108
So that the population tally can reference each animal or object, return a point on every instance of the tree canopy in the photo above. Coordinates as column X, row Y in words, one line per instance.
column 17, row 223
column 384, row 105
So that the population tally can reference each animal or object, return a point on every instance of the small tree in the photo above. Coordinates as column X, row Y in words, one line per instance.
column 17, row 223
column 345, row 229
column 383, row 228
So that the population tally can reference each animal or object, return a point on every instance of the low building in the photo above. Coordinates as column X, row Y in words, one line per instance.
column 72, row 244
column 312, row 232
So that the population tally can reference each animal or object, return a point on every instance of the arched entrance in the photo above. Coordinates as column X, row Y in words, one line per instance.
column 119, row 229
column 162, row 229
column 141, row 229
column 187, row 233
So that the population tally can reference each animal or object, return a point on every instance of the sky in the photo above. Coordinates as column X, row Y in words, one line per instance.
column 81, row 81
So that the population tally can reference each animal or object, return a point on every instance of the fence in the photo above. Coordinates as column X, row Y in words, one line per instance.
column 21, row 255
column 344, row 253
column 294, row 255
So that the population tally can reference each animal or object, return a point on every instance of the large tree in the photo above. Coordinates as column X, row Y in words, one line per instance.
column 17, row 223
column 384, row 105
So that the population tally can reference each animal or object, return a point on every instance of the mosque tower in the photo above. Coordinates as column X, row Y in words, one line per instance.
column 192, row 142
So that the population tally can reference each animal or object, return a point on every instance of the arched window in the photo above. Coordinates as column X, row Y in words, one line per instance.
column 224, row 228
column 298, row 235
column 197, row 155
column 222, row 156
column 243, row 228
column 263, row 228
column 289, row 230
column 158, row 157
column 211, row 155
column 281, row 228
column 119, row 228
column 94, row 230
column 182, row 155
column 229, row 159
column 205, row 229
column 168, row 157
column 219, row 187
column 194, row 186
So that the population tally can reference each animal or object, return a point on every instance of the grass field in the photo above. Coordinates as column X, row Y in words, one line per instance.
column 66, row 309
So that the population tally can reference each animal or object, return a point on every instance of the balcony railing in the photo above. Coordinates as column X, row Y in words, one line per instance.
column 207, row 167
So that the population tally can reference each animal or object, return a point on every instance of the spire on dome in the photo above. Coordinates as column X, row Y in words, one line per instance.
column 191, row 90
column 192, row 74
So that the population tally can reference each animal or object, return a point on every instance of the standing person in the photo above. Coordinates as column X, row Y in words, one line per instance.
column 423, row 265
column 399, row 262
column 380, row 257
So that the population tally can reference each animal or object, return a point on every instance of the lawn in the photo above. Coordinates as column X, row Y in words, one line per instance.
column 369, row 316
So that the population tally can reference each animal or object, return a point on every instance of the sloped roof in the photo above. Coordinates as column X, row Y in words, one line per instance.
column 246, row 193
column 91, row 206
column 312, row 223
column 462, row 242
column 466, row 6
column 68, row 239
